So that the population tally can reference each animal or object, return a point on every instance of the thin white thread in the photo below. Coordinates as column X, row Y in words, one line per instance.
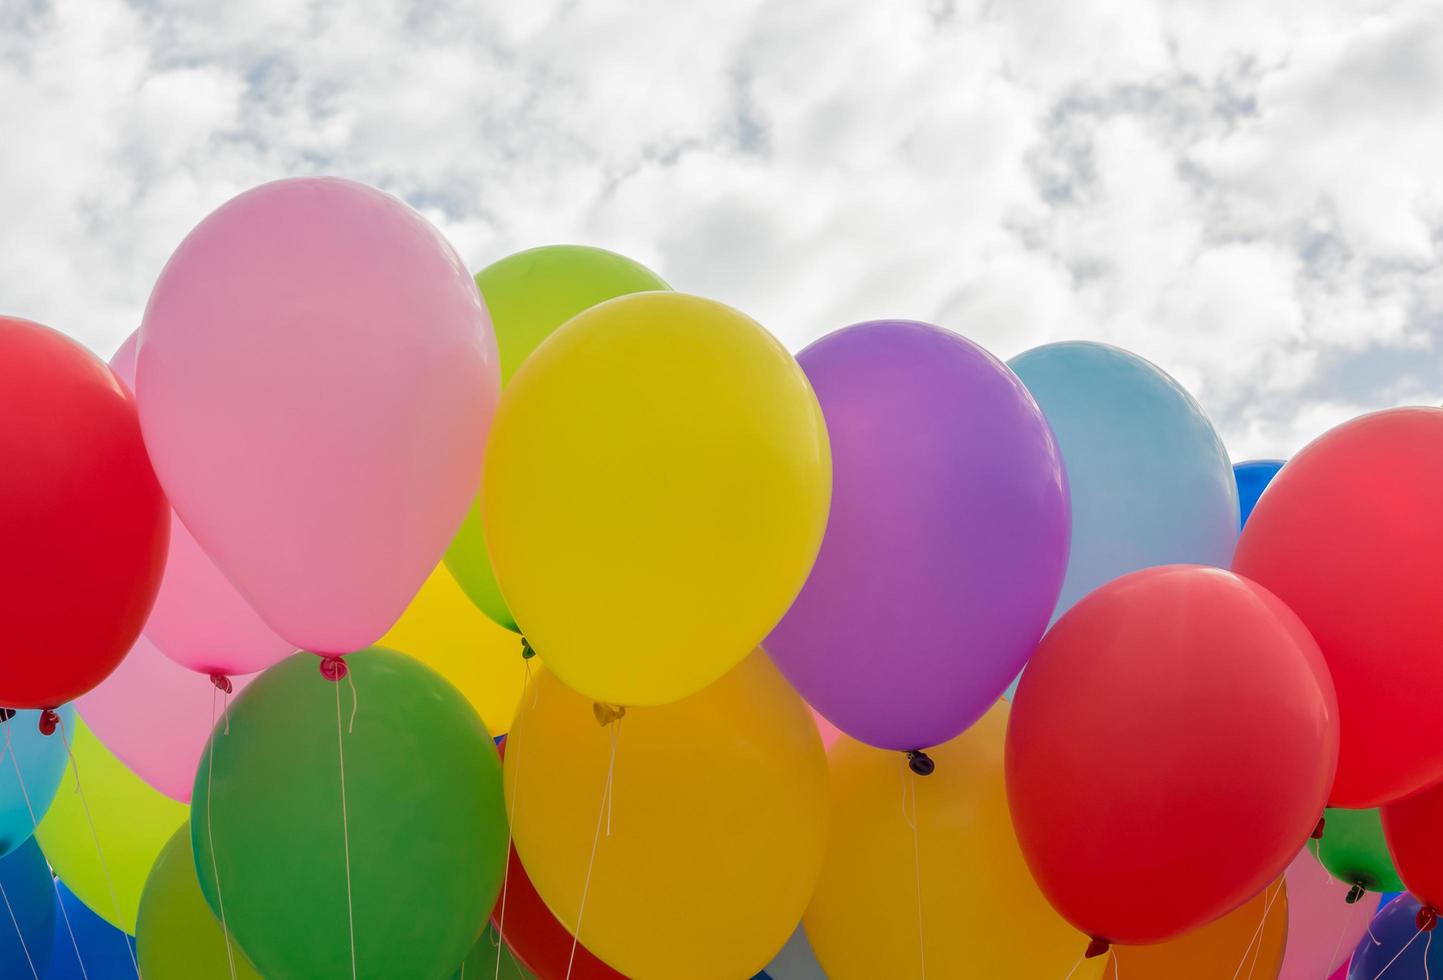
column 1427, row 946
column 210, row 834
column 1256, row 939
column 1263, row 931
column 611, row 774
column 345, row 828
column 35, row 825
column 355, row 701
column 510, row 824
column 24, row 947
column 1347, row 920
column 1376, row 940
column 99, row 851
column 1075, row 966
column 911, row 821
column 591, row 861
column 1398, row 954
column 1116, row 966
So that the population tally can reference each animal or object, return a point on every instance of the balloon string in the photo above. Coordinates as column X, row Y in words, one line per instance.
column 210, row 834
column 1376, row 940
column 18, row 934
column 99, row 851
column 1254, row 941
column 1262, row 929
column 611, row 774
column 510, row 837
column 1427, row 946
column 1116, row 966
column 346, row 829
column 35, row 826
column 1398, row 954
column 911, row 820
column 1347, row 920
column 601, row 812
column 1074, row 967
column 355, row 701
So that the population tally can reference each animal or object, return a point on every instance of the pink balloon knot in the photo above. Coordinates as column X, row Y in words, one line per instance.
column 1426, row 919
column 48, row 720
column 1096, row 948
column 333, row 668
column 222, row 682
column 1318, row 830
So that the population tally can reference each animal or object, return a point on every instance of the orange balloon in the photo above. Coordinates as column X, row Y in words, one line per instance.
column 1226, row 947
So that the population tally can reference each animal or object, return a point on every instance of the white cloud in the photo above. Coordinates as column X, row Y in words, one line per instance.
column 1246, row 193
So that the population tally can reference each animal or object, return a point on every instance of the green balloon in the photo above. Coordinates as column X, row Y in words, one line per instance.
column 177, row 936
column 480, row 964
column 529, row 295
column 1354, row 851
column 427, row 821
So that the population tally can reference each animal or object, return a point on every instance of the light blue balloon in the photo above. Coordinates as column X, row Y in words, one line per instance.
column 796, row 961
column 42, row 761
column 1151, row 481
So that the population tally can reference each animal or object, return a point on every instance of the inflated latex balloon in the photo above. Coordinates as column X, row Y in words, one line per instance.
column 983, row 915
column 1322, row 927
column 82, row 518
column 444, row 631
column 316, row 374
column 1350, row 535
column 529, row 295
column 718, row 815
column 99, row 950
column 41, row 759
column 947, row 541
column 657, row 484
column 1171, row 748
column 1414, row 831
column 155, row 716
column 132, row 821
column 1247, row 942
column 177, row 935
column 27, row 912
column 481, row 961
column 426, row 831
column 1353, row 850
column 1253, row 478
column 199, row 620
column 1151, row 482
column 536, row 938
column 795, row 961
column 1394, row 948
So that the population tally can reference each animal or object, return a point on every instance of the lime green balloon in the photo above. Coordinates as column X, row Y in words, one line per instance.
column 480, row 963
column 529, row 295
column 1354, row 851
column 177, row 936
column 427, row 821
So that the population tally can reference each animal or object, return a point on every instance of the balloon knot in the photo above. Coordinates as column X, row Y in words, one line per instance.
column 1426, row 919
column 6, row 714
column 48, row 720
column 1355, row 893
column 1318, row 830
column 607, row 713
column 527, row 652
column 1097, row 948
column 920, row 762
column 333, row 668
column 222, row 682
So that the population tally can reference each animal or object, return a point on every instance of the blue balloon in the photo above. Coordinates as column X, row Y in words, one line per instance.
column 1397, row 941
column 27, row 912
column 796, row 961
column 1253, row 478
column 42, row 761
column 102, row 946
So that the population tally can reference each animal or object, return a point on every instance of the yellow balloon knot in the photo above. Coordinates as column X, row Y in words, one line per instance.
column 607, row 713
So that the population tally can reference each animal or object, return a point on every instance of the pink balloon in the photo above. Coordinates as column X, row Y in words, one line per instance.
column 1323, row 928
column 826, row 729
column 199, row 620
column 155, row 716
column 316, row 377
column 1342, row 971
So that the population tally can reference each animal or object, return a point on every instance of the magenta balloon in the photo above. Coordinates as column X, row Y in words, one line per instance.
column 155, row 716
column 947, row 541
column 199, row 620
column 1322, row 927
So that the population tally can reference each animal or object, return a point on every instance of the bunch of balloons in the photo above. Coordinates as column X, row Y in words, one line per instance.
column 886, row 659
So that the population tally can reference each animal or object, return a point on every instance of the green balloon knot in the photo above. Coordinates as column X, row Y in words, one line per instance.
column 526, row 651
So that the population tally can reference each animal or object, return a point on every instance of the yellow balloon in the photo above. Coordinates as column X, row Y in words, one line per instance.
column 132, row 821
column 717, row 821
column 656, row 486
column 442, row 629
column 1246, row 943
column 982, row 914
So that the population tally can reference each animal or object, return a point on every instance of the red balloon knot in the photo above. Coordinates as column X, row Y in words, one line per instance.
column 1097, row 948
column 48, row 721
column 222, row 682
column 1426, row 919
column 1318, row 830
column 333, row 668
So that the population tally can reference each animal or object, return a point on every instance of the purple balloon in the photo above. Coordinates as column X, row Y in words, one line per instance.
column 948, row 538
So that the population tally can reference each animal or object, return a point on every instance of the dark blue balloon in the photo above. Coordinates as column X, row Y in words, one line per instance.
column 1253, row 478
column 27, row 912
column 1395, row 930
column 102, row 946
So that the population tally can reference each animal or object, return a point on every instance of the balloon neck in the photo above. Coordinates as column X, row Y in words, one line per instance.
column 333, row 668
column 920, row 762
column 1098, row 947
column 222, row 683
column 1355, row 894
column 527, row 652
column 607, row 713
column 1317, row 833
column 1426, row 919
column 6, row 714
column 48, row 721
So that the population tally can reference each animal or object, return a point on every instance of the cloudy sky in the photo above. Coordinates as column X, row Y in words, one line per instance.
column 1248, row 193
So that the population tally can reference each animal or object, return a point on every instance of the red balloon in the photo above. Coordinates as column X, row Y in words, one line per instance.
column 1350, row 535
column 1414, row 831
column 538, row 939
column 1170, row 749
column 82, row 518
